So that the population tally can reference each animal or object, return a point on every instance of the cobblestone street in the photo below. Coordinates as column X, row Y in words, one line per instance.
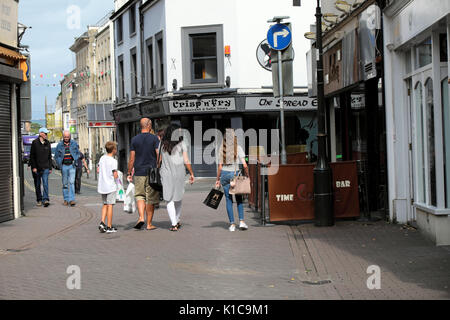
column 206, row 261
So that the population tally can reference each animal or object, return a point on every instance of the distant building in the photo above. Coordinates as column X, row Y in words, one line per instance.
column 95, row 88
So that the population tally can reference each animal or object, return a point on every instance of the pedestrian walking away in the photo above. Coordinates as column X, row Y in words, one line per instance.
column 41, row 166
column 174, row 158
column 79, row 172
column 229, row 157
column 66, row 156
column 143, row 155
column 107, row 186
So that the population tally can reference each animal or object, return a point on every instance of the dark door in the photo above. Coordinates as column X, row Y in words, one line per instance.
column 6, row 181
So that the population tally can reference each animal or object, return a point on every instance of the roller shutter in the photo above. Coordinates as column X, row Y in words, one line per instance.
column 6, row 181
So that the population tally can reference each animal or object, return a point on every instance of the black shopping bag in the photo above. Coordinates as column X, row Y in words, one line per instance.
column 213, row 199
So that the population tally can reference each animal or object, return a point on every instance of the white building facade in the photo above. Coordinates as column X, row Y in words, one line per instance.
column 172, row 55
column 416, row 37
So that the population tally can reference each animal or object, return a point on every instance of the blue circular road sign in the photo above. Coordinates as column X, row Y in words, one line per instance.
column 279, row 36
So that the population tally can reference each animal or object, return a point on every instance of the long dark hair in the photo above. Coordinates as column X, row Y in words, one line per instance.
column 166, row 143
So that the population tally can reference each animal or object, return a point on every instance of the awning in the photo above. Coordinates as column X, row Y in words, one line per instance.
column 11, row 54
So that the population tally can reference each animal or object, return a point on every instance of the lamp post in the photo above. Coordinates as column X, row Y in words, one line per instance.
column 323, row 191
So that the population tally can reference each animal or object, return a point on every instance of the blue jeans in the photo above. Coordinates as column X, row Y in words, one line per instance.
column 38, row 176
column 225, row 178
column 68, row 182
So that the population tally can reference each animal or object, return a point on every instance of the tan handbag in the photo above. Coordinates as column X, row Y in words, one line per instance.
column 240, row 185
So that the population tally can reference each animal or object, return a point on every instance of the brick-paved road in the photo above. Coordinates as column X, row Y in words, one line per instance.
column 206, row 261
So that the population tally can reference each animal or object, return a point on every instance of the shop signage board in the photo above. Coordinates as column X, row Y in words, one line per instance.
column 202, row 105
column 291, row 191
column 94, row 124
column 127, row 115
column 273, row 104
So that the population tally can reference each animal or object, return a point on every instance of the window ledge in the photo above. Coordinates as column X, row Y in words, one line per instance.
column 120, row 43
column 433, row 210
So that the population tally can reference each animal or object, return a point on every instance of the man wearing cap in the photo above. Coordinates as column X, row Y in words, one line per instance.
column 41, row 166
column 66, row 156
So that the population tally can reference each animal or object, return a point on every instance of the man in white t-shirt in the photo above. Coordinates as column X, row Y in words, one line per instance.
column 107, row 186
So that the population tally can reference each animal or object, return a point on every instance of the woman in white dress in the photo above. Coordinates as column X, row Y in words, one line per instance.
column 174, row 158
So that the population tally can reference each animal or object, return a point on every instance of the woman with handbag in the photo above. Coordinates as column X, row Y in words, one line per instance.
column 174, row 158
column 229, row 157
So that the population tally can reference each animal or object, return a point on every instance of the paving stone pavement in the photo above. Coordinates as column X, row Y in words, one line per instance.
column 205, row 261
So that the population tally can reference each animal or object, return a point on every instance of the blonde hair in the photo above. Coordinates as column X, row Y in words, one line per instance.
column 226, row 158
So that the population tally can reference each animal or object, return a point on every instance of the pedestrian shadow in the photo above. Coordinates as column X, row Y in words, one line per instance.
column 218, row 224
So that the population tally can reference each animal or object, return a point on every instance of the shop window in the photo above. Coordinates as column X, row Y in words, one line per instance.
column 160, row 60
column 202, row 55
column 446, row 140
column 134, row 76
column 424, row 53
column 408, row 68
column 203, row 58
column 431, row 152
column 119, row 27
column 419, row 136
column 150, row 66
column 132, row 17
column 121, row 79
column 443, row 49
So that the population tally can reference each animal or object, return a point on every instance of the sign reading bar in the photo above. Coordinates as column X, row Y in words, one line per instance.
column 290, row 103
column 202, row 105
column 291, row 191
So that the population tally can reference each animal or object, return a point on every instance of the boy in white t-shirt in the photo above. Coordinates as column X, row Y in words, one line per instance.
column 107, row 169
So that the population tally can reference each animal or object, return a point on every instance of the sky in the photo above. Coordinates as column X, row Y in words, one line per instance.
column 54, row 25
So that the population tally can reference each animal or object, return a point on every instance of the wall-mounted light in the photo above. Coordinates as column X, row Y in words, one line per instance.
column 174, row 84
column 357, row 3
column 228, row 81
column 331, row 18
column 310, row 35
column 343, row 6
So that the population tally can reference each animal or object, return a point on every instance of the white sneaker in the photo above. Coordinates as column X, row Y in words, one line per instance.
column 243, row 226
column 232, row 227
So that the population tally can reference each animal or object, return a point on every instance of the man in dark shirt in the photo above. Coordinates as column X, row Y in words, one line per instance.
column 79, row 172
column 41, row 165
column 143, row 155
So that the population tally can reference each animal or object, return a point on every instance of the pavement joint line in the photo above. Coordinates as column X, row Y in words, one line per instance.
column 85, row 216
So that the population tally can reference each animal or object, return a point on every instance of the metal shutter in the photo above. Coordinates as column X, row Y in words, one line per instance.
column 6, row 181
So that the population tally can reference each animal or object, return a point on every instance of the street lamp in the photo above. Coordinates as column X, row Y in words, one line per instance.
column 323, row 191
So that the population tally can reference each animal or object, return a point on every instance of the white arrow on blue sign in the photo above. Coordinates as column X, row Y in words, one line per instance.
column 279, row 36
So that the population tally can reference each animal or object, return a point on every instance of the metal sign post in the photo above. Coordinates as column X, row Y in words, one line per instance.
column 279, row 38
column 280, row 81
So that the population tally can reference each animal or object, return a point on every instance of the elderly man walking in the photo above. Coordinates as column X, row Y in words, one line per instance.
column 66, row 156
column 41, row 166
column 143, row 156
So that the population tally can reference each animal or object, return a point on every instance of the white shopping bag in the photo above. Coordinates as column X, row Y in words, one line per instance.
column 120, row 190
column 129, row 205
